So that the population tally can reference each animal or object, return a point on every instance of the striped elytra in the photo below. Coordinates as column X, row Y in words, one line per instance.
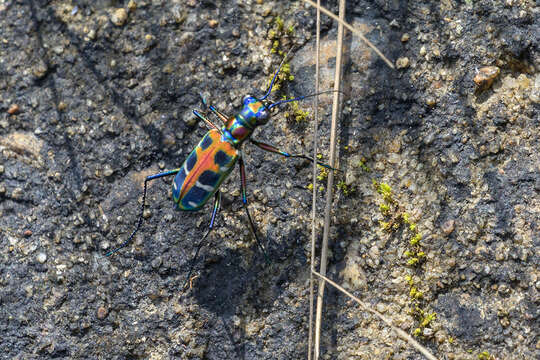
column 203, row 171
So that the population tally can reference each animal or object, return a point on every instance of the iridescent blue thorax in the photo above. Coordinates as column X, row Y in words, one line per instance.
column 238, row 128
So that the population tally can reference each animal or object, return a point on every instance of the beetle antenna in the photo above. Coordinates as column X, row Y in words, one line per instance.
column 276, row 74
column 303, row 97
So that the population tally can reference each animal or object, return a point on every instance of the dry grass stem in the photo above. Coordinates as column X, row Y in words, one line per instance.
column 402, row 334
column 330, row 182
column 353, row 30
column 315, row 187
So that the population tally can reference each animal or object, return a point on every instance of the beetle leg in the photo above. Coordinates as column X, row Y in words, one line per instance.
column 218, row 113
column 270, row 148
column 217, row 205
column 148, row 178
column 210, row 124
column 244, row 201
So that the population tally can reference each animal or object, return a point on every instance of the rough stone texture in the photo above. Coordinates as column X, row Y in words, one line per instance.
column 88, row 109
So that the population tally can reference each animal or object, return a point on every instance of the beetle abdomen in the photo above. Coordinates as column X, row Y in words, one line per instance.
column 203, row 171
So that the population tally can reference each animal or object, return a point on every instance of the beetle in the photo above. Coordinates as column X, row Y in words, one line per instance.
column 215, row 156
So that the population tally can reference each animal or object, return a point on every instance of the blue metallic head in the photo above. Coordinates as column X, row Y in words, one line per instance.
column 254, row 111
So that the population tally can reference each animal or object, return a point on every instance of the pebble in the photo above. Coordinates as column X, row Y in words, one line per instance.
column 58, row 50
column 1, row 169
column 91, row 34
column 402, row 63
column 405, row 37
column 108, row 171
column 13, row 109
column 119, row 17
column 41, row 257
column 27, row 233
column 102, row 312
column 485, row 76
column 448, row 227
column 132, row 5
column 189, row 118
column 213, row 23
column 430, row 101
column 266, row 10
column 40, row 70
column 156, row 263
column 17, row 193
column 394, row 158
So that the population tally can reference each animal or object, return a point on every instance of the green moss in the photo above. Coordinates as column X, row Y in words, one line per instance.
column 363, row 166
column 415, row 239
column 484, row 355
column 277, row 33
column 414, row 293
column 428, row 319
column 323, row 173
column 345, row 189
column 296, row 112
column 385, row 225
column 278, row 22
column 409, row 280
column 405, row 216
column 290, row 29
column 275, row 46
column 385, row 190
column 425, row 319
column 396, row 219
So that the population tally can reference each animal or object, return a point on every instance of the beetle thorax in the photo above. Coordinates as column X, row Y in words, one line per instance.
column 241, row 126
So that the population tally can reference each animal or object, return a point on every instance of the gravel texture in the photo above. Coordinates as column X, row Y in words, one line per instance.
column 96, row 95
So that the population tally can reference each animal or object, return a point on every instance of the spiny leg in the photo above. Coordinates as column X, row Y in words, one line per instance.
column 244, row 201
column 148, row 178
column 217, row 204
column 270, row 148
column 218, row 113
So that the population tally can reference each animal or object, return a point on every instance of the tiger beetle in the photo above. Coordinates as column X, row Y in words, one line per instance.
column 213, row 159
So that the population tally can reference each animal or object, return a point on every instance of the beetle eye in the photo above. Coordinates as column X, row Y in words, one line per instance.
column 247, row 99
column 263, row 116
